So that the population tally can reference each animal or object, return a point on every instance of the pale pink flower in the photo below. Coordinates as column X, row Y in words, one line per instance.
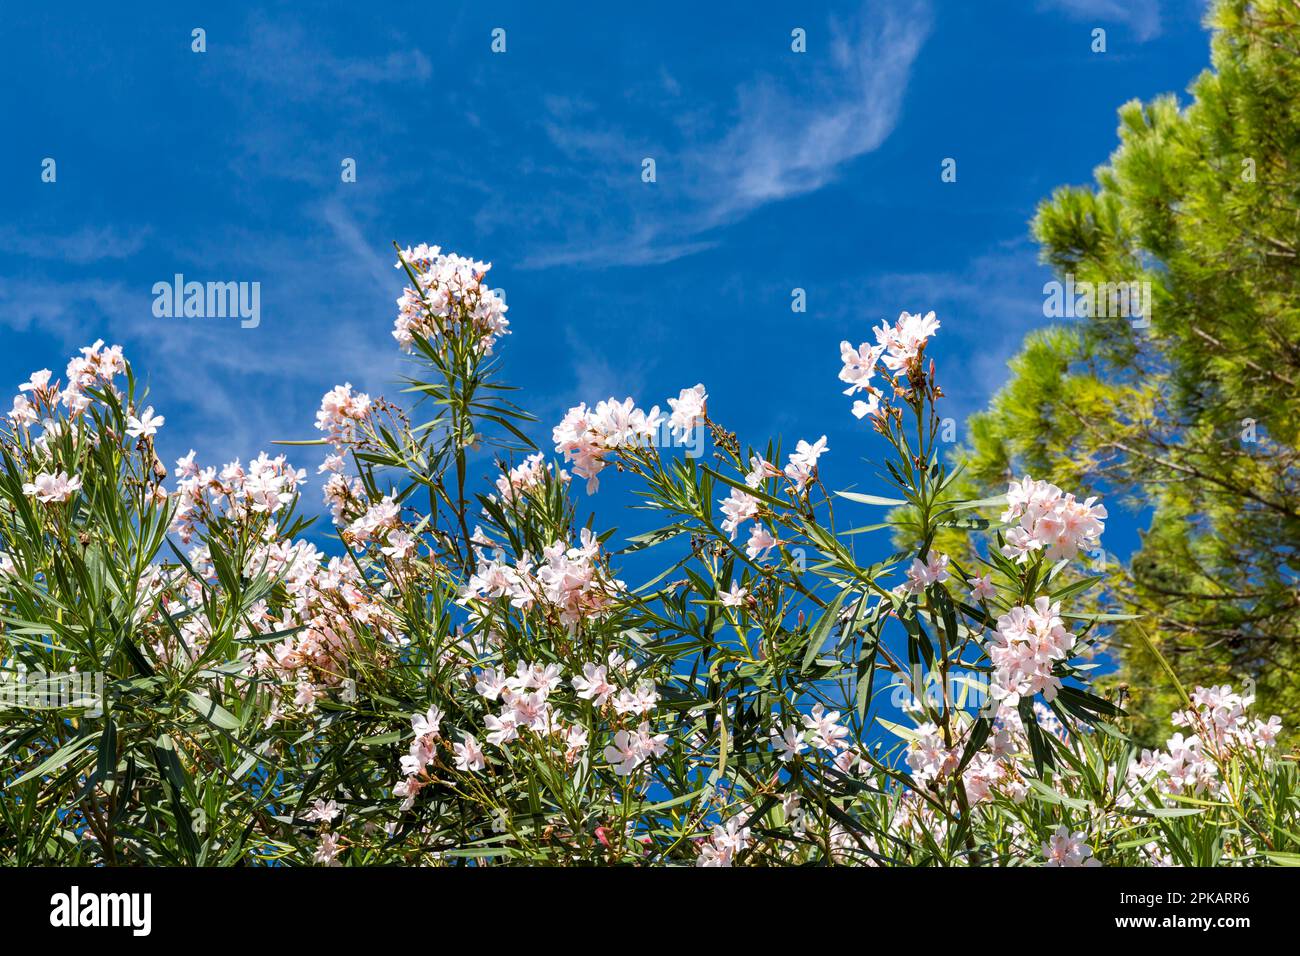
column 828, row 733
column 859, row 366
column 38, row 384
column 642, row 700
column 737, row 508
column 340, row 412
column 575, row 740
column 788, row 742
column 501, row 730
column 1068, row 849
column 904, row 342
column 734, row 597
column 428, row 723
column 687, row 410
column 871, row 406
column 328, row 851
column 727, row 841
column 803, row 462
column 490, row 683
column 760, row 470
column 922, row 574
column 23, row 414
column 146, row 426
column 760, row 542
column 469, row 756
column 981, row 588
column 928, row 757
column 52, row 487
column 323, row 812
column 623, row 754
column 186, row 467
column 627, row 751
column 400, row 545
column 593, row 685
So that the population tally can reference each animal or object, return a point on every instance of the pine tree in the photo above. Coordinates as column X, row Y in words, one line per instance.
column 1189, row 413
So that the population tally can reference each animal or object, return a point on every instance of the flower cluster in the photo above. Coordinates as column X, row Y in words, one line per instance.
column 586, row 436
column 726, row 841
column 52, row 488
column 823, row 731
column 266, row 486
column 1220, row 726
column 688, row 410
column 1024, row 649
column 898, row 348
column 527, row 475
column 904, row 342
column 331, row 608
column 589, row 436
column 922, row 574
column 448, row 291
column 569, row 581
column 529, row 709
column 992, row 771
column 38, row 402
column 340, row 412
column 1049, row 520
column 95, row 369
column 1068, row 849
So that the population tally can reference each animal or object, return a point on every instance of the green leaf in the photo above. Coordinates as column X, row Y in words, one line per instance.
column 212, row 712
column 871, row 499
column 56, row 760
column 822, row 629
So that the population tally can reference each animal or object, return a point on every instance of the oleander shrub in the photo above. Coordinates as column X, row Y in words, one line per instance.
column 453, row 676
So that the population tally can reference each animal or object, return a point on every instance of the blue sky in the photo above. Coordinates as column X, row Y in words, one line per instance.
column 775, row 170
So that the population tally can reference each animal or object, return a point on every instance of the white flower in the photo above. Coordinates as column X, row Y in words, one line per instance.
column 1068, row 849
column 734, row 597
column 469, row 756
column 146, row 425
column 323, row 811
column 789, row 743
column 427, row 724
column 48, row 488
column 688, row 409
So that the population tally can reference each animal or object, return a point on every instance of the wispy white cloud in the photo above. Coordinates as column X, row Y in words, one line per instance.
column 368, row 255
column 188, row 368
column 88, row 244
column 1140, row 16
column 784, row 140
column 301, row 75
column 286, row 57
column 326, row 276
column 790, row 142
column 234, row 389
